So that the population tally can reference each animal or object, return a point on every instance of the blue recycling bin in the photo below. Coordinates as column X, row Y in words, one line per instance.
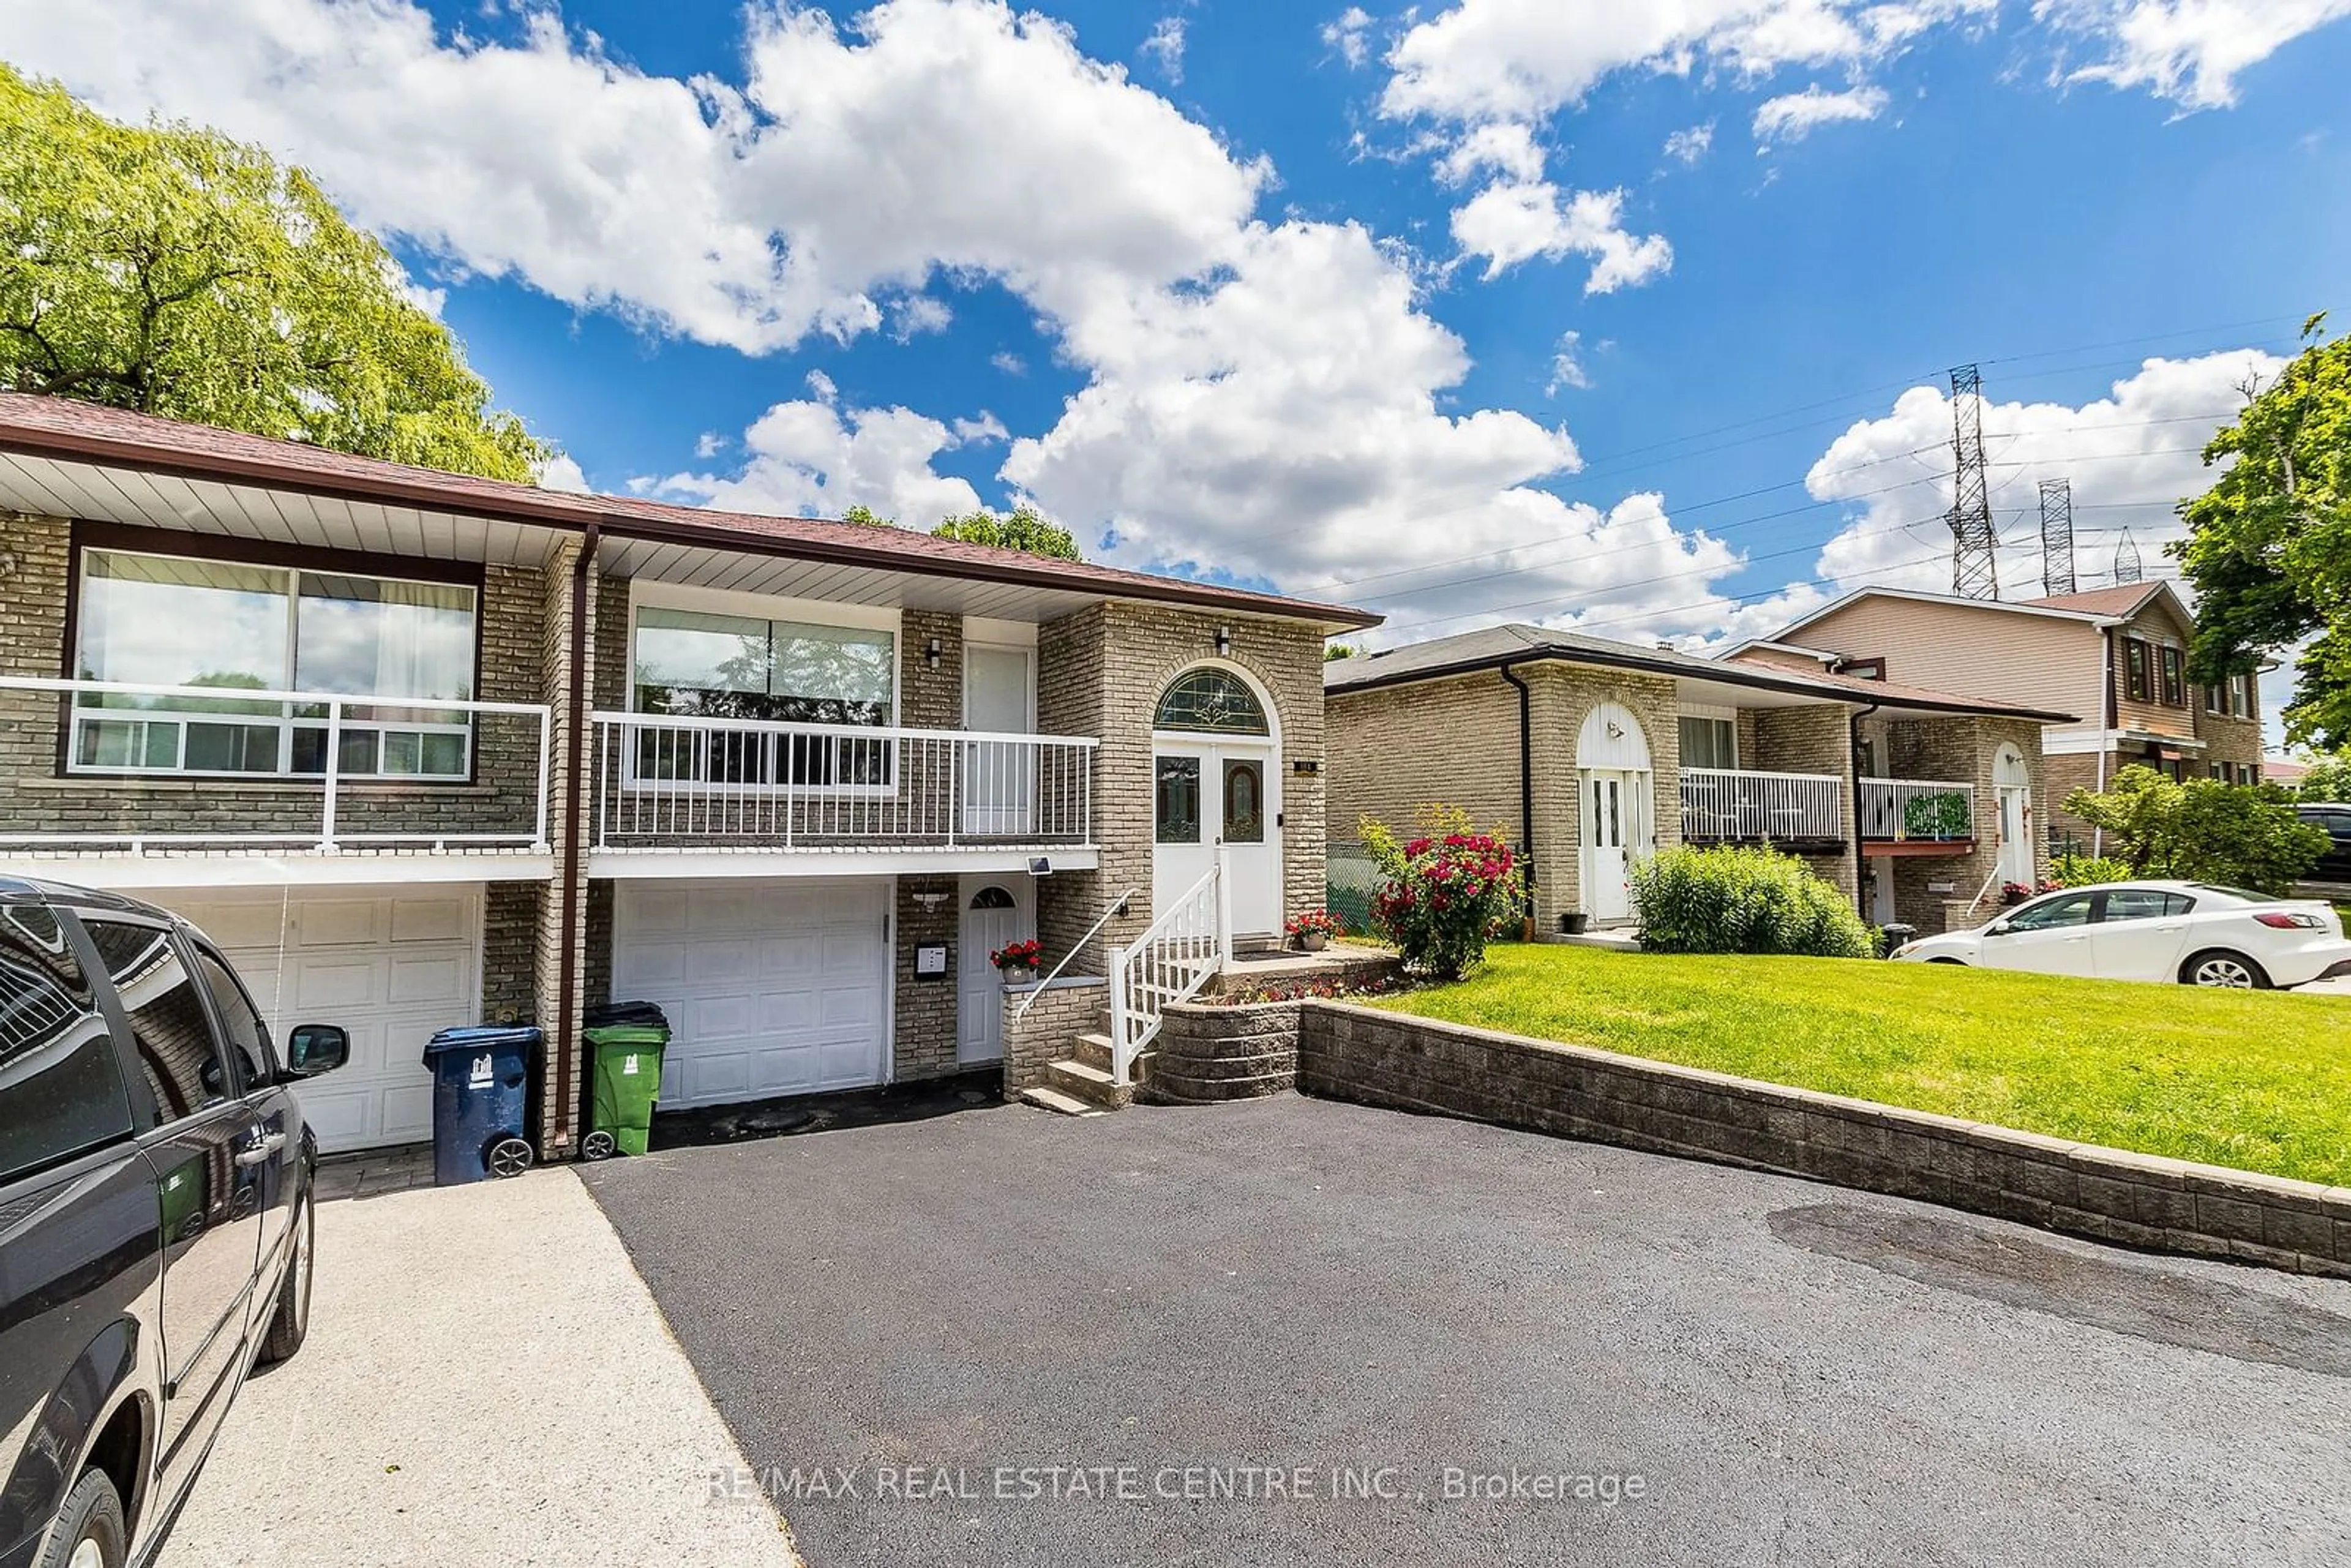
column 481, row 1097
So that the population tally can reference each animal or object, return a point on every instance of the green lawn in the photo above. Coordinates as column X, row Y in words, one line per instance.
column 2257, row 1079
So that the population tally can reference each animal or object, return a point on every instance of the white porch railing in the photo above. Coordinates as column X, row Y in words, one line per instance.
column 1728, row 804
column 667, row 782
column 139, row 734
column 1906, row 810
column 1169, row 963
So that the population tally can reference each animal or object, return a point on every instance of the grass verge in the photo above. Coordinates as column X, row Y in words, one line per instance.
column 2257, row 1079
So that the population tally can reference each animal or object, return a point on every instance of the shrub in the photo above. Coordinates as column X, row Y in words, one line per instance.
column 1739, row 900
column 2087, row 871
column 1448, row 892
column 2203, row 830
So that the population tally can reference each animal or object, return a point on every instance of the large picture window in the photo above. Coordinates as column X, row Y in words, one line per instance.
column 703, row 664
column 168, row 621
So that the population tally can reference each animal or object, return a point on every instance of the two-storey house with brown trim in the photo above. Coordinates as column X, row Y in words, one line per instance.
column 2116, row 655
column 420, row 750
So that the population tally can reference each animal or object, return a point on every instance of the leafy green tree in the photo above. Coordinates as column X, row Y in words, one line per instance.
column 172, row 271
column 2269, row 545
column 2202, row 830
column 1333, row 652
column 1025, row 530
column 864, row 518
column 2329, row 779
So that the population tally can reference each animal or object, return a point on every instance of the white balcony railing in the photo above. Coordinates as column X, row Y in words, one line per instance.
column 1917, row 810
column 666, row 781
column 1725, row 804
column 384, row 770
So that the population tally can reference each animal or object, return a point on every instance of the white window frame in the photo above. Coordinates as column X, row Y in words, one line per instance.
column 284, row 721
column 767, row 607
column 1713, row 716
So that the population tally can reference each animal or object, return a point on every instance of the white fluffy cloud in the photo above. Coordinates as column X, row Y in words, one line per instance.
column 1793, row 116
column 812, row 459
column 2190, row 51
column 1509, row 223
column 1166, row 46
column 1567, row 367
column 1689, row 146
column 1523, row 59
column 2128, row 456
column 1350, row 35
column 747, row 215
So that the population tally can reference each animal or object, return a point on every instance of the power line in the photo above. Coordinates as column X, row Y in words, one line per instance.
column 1678, row 513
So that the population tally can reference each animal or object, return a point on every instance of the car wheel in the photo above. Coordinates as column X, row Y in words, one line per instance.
column 2222, row 967
column 290, row 1323
column 90, row 1533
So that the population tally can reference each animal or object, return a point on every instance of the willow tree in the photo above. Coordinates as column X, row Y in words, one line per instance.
column 171, row 271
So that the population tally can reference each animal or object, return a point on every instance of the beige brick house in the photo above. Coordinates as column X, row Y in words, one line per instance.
column 418, row 749
column 2116, row 655
column 1591, row 753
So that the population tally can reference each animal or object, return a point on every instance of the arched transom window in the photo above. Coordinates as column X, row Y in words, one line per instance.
column 1212, row 701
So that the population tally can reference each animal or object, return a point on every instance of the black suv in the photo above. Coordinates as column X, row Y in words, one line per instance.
column 2335, row 865
column 155, row 1216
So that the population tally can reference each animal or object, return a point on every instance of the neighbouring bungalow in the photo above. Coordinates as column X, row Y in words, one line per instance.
column 1590, row 754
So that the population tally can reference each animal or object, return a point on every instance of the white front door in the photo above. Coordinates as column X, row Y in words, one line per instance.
column 995, row 913
column 1613, row 829
column 1000, row 777
column 1212, row 795
column 771, row 987
column 1881, row 889
column 2015, row 835
column 392, row 969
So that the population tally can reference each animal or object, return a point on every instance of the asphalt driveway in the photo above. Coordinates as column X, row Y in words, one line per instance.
column 1064, row 1332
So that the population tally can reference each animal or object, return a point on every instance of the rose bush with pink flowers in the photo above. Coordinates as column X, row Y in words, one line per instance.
column 1448, row 892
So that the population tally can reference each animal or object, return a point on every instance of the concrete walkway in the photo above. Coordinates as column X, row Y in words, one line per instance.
column 486, row 1381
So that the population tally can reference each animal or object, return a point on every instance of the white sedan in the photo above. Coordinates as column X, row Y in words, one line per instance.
column 2196, row 932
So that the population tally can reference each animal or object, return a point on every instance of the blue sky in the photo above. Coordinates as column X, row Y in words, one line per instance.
column 1496, row 309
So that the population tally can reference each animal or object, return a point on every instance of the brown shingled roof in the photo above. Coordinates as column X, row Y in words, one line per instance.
column 2121, row 599
column 65, row 430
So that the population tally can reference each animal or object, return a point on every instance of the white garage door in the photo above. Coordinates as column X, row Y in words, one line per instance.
column 771, row 987
column 392, row 968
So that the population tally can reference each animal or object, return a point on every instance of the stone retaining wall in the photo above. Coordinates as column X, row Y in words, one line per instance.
column 1408, row 1063
column 1067, row 1007
column 1208, row 1053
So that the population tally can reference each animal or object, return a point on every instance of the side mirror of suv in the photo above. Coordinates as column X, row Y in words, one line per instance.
column 315, row 1048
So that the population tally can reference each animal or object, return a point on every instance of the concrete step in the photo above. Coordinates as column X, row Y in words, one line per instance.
column 1094, row 1049
column 1055, row 1101
column 1092, row 1084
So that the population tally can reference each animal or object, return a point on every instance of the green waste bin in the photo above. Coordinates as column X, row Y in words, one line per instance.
column 625, row 1043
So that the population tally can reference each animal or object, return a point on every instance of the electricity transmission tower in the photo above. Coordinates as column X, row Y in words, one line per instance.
column 2056, row 536
column 2127, row 566
column 1973, row 575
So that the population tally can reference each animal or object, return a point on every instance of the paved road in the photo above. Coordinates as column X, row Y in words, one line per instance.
column 1796, row 1375
column 486, row 1383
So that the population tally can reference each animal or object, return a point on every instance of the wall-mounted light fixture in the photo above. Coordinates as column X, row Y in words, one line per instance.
column 933, row 651
column 1223, row 641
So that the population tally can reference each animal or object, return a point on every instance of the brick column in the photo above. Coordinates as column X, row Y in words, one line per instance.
column 924, row 1027
column 563, row 1025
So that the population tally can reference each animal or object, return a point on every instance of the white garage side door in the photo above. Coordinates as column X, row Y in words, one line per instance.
column 392, row 968
column 771, row 987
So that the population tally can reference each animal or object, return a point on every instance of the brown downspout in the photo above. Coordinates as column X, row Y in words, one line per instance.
column 567, row 969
